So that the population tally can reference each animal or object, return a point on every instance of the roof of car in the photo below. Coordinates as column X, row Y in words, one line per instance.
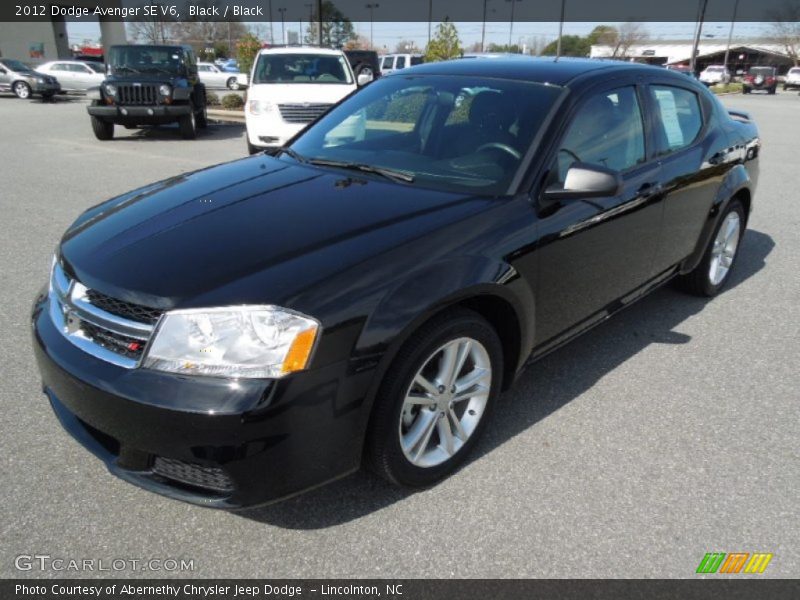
column 300, row 50
column 528, row 68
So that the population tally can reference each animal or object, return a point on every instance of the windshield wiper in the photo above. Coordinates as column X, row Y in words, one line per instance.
column 393, row 174
column 293, row 154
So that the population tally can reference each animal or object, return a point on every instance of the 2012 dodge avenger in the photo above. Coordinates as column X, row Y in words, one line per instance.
column 239, row 334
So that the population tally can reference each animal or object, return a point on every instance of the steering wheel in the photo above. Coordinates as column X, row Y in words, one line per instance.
column 571, row 153
column 504, row 147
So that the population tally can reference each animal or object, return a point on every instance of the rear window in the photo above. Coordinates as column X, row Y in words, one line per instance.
column 387, row 62
column 715, row 69
column 794, row 71
column 761, row 71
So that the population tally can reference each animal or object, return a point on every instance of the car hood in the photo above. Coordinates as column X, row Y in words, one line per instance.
column 279, row 93
column 199, row 238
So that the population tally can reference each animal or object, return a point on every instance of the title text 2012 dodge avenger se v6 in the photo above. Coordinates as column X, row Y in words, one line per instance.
column 241, row 333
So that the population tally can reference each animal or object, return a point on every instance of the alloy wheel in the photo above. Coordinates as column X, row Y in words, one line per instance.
column 445, row 402
column 724, row 250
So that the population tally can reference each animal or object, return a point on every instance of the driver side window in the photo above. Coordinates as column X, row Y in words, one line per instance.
column 606, row 131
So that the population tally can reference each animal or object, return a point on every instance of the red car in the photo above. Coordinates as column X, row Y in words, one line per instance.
column 760, row 78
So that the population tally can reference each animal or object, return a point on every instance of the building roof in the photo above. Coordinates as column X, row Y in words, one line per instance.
column 681, row 51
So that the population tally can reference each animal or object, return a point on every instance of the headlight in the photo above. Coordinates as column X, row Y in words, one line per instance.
column 238, row 341
column 39, row 79
column 165, row 90
column 110, row 89
column 258, row 107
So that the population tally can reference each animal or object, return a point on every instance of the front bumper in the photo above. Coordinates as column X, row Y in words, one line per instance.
column 236, row 443
column 45, row 88
column 270, row 131
column 140, row 114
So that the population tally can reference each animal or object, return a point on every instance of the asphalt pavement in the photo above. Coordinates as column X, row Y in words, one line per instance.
column 666, row 433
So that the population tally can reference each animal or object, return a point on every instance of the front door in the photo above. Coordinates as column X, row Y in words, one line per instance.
column 594, row 251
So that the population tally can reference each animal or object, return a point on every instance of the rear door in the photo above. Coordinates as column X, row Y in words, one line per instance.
column 595, row 251
column 692, row 155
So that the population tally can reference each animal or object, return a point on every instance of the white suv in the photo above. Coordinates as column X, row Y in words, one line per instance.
column 792, row 78
column 714, row 74
column 289, row 88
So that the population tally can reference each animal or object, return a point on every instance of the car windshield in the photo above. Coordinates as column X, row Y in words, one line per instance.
column 442, row 132
column 96, row 67
column 794, row 71
column 16, row 66
column 301, row 68
column 761, row 71
column 145, row 59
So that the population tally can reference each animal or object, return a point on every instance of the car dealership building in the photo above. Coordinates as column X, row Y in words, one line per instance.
column 743, row 54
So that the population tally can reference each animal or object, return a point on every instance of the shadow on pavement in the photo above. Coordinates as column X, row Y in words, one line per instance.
column 560, row 377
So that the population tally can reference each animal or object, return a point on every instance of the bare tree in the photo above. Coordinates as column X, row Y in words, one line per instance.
column 152, row 30
column 786, row 28
column 406, row 46
column 629, row 34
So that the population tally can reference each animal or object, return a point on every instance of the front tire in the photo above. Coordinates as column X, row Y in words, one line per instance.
column 233, row 83
column 188, row 125
column 22, row 90
column 435, row 400
column 103, row 130
column 711, row 275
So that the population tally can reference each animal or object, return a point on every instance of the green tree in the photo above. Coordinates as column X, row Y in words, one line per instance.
column 246, row 49
column 607, row 35
column 571, row 45
column 337, row 29
column 445, row 44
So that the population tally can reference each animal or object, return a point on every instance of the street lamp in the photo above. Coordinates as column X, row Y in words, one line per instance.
column 282, row 10
column 561, row 28
column 371, row 7
column 483, row 26
column 511, row 28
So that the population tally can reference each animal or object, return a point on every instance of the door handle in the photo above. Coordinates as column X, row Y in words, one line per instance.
column 647, row 190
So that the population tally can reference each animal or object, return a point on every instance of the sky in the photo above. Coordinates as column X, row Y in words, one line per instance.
column 387, row 35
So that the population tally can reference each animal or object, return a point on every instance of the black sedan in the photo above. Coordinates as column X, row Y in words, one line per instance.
column 239, row 334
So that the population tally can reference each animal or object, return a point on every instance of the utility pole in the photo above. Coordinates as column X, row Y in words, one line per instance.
column 319, row 12
column 697, row 34
column 371, row 6
column 282, row 10
column 511, row 27
column 310, row 8
column 730, row 34
column 483, row 27
column 430, row 19
column 561, row 28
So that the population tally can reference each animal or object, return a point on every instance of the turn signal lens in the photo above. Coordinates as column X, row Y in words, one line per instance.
column 300, row 351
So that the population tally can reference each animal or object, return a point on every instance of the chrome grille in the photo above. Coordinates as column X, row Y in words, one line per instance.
column 210, row 478
column 95, row 329
column 146, row 95
column 302, row 113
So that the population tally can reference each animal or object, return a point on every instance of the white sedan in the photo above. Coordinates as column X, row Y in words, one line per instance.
column 214, row 77
column 74, row 75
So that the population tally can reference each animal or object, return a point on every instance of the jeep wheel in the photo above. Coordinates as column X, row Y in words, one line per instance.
column 188, row 125
column 103, row 130
column 202, row 116
column 232, row 83
column 22, row 90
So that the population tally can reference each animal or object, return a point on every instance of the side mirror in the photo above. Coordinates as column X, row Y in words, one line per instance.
column 3, row 71
column 364, row 78
column 586, row 181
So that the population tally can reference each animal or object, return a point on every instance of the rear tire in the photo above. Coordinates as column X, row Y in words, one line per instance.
column 772, row 91
column 710, row 276
column 103, row 130
column 188, row 125
column 420, row 400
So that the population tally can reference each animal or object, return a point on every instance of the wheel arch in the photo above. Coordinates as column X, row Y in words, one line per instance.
column 736, row 186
